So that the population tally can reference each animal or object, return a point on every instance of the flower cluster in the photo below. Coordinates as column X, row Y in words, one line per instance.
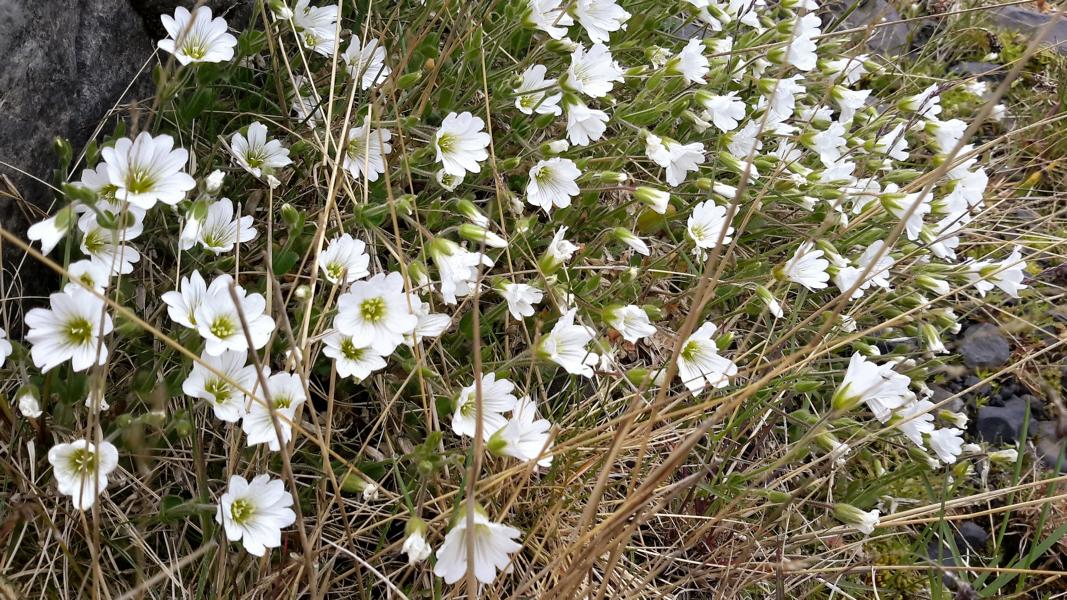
column 588, row 217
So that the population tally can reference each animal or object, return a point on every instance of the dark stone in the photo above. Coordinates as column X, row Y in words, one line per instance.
column 979, row 69
column 1003, row 424
column 984, row 346
column 1050, row 445
column 68, row 68
column 66, row 65
column 889, row 39
column 971, row 535
column 1030, row 22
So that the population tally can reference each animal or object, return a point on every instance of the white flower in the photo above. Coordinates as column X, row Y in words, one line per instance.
column 286, row 395
column 108, row 247
column 461, row 143
column 6, row 349
column 376, row 311
column 213, row 182
column 914, row 419
column 850, row 69
column 585, row 124
column 219, row 321
column 565, row 345
column 828, row 143
column 366, row 152
column 946, row 443
column 521, row 298
column 553, row 182
column 183, row 302
column 447, row 180
column 70, row 330
column 257, row 155
column 808, row 268
column 801, row 52
column 864, row 521
column 533, row 95
column 81, row 469
column 91, row 274
column 706, row 224
column 50, row 231
column 593, row 73
column 367, row 63
column 600, row 18
column 148, row 170
column 353, row 359
column 690, row 62
column 850, row 101
column 630, row 239
column 877, row 272
column 317, row 26
column 657, row 200
column 1007, row 274
column 497, row 398
column 197, row 37
column 682, row 158
column 305, row 101
column 457, row 267
column 493, row 545
column 221, row 231
column 345, row 260
column 893, row 144
column 725, row 111
column 28, row 404
column 926, row 103
column 429, row 325
column 255, row 512
column 700, row 364
column 880, row 387
column 416, row 547
column 525, row 435
column 632, row 322
column 912, row 207
column 223, row 393
column 560, row 250
column 550, row 17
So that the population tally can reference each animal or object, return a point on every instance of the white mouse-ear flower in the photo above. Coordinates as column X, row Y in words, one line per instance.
column 255, row 512
column 81, row 469
column 494, row 543
column 196, row 37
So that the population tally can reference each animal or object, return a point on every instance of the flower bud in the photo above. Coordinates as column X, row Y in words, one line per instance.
column 213, row 182
column 864, row 521
column 1004, row 457
column 656, row 199
column 28, row 403
column 469, row 210
column 478, row 234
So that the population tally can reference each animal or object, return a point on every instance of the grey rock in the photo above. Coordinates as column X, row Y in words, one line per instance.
column 1030, row 23
column 1003, row 424
column 1050, row 445
column 979, row 69
column 971, row 535
column 983, row 345
column 889, row 39
column 65, row 66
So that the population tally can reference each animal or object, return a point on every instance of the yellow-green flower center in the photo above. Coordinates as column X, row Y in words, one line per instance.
column 139, row 181
column 223, row 327
column 446, row 142
column 350, row 351
column 335, row 271
column 689, row 352
column 241, row 511
column 79, row 331
column 83, row 461
column 219, row 390
column 373, row 309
